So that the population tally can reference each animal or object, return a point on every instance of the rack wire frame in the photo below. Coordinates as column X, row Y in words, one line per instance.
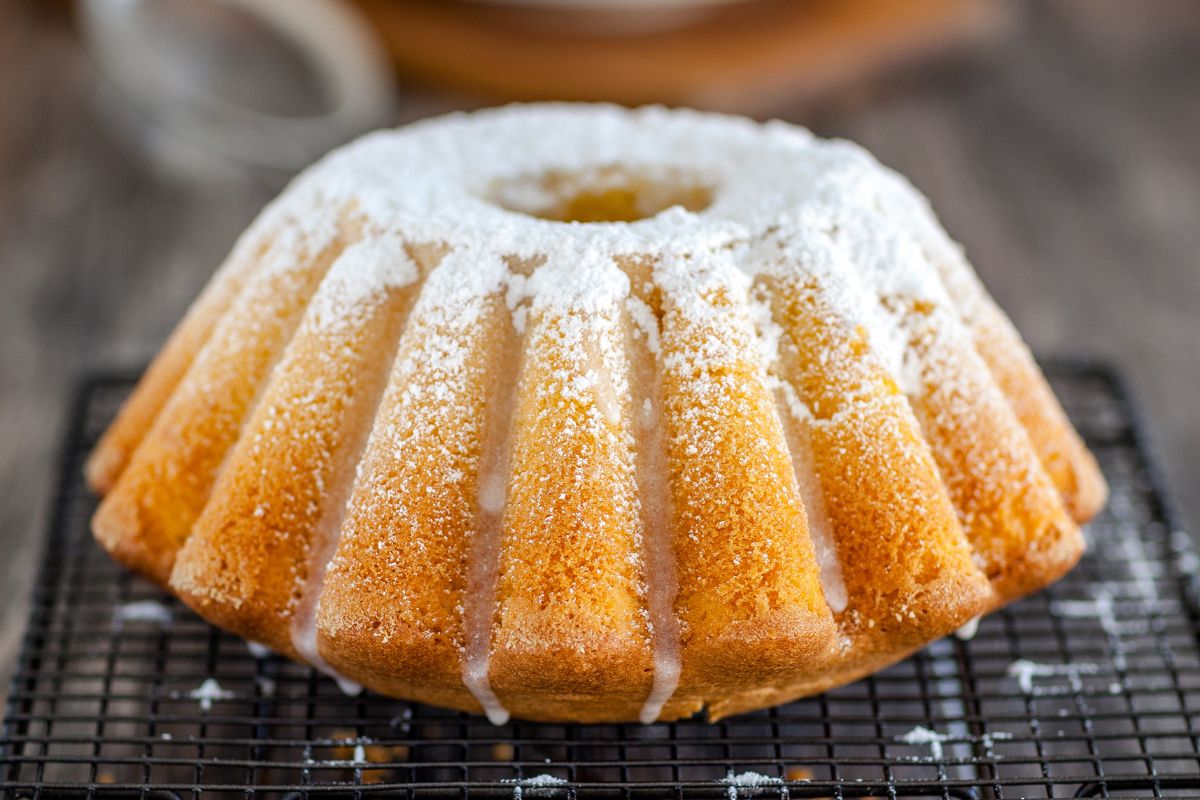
column 1088, row 689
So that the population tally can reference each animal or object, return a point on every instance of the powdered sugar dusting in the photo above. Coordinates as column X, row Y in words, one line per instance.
column 776, row 186
column 433, row 181
column 361, row 275
column 643, row 317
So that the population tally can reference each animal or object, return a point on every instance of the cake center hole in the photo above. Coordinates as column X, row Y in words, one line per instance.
column 605, row 194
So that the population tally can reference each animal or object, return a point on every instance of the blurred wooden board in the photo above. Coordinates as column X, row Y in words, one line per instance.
column 743, row 57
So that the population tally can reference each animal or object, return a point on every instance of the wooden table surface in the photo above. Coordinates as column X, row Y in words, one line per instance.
column 1067, row 159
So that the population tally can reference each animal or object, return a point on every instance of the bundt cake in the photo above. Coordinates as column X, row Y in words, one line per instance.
column 581, row 413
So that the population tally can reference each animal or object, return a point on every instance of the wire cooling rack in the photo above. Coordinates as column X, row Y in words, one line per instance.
column 1089, row 689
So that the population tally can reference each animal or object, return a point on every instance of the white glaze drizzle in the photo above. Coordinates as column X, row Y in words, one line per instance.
column 658, row 552
column 820, row 531
column 479, row 601
column 968, row 630
column 798, row 437
column 483, row 563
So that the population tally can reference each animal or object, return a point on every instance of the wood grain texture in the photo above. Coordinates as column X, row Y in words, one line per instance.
column 1065, row 159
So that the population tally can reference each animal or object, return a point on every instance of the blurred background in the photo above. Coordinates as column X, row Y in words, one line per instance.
column 1059, row 140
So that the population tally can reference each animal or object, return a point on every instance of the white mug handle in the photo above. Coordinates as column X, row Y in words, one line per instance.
column 340, row 45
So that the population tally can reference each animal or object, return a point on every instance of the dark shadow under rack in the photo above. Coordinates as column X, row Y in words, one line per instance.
column 1089, row 689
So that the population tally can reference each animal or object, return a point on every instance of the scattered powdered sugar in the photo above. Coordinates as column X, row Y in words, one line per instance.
column 582, row 282
column 143, row 611
column 541, row 781
column 1100, row 608
column 812, row 247
column 749, row 781
column 989, row 738
column 920, row 735
column 923, row 735
column 358, row 755
column 210, row 691
column 1025, row 671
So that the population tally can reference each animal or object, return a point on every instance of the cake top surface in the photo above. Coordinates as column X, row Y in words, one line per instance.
column 570, row 188
column 483, row 178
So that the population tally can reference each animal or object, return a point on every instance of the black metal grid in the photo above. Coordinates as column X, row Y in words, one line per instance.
column 1091, row 688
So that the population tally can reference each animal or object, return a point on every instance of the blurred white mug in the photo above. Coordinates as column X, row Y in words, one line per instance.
column 272, row 83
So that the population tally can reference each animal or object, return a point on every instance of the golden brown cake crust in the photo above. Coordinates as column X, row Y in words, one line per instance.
column 748, row 576
column 116, row 446
column 391, row 611
column 149, row 512
column 569, row 593
column 1065, row 458
column 425, row 432
column 282, row 488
